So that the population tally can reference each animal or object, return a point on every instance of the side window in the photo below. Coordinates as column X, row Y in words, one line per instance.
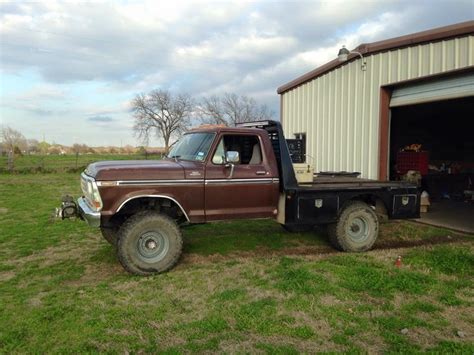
column 219, row 155
column 249, row 149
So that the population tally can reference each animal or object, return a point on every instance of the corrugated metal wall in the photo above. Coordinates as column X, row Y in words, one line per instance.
column 339, row 111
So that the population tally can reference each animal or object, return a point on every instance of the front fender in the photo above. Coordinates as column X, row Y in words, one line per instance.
column 118, row 203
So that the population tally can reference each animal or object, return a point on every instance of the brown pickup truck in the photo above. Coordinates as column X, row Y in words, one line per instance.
column 223, row 173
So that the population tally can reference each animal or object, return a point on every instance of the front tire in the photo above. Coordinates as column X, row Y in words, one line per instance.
column 110, row 235
column 149, row 243
column 357, row 228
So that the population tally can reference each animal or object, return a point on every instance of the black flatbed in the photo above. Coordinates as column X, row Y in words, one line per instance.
column 342, row 182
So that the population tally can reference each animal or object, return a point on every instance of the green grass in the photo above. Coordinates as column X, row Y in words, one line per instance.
column 61, row 163
column 240, row 287
column 447, row 260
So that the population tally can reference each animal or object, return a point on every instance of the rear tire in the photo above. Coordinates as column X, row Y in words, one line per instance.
column 110, row 235
column 149, row 243
column 357, row 228
column 332, row 236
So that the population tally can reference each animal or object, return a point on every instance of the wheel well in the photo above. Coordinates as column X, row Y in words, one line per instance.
column 162, row 204
column 372, row 200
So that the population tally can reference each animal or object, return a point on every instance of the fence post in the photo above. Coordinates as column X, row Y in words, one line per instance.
column 11, row 158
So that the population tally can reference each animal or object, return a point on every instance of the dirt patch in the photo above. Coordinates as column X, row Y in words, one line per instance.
column 372, row 342
column 3, row 210
column 320, row 326
column 390, row 255
column 197, row 259
column 395, row 243
column 425, row 338
column 64, row 251
column 428, row 338
column 461, row 319
column 317, row 344
column 384, row 248
column 95, row 273
column 329, row 300
column 192, row 258
column 7, row 275
column 37, row 300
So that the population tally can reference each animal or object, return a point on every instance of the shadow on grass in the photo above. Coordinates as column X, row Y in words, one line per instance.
column 268, row 237
column 245, row 236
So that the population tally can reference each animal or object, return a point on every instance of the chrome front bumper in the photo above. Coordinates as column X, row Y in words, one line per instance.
column 87, row 214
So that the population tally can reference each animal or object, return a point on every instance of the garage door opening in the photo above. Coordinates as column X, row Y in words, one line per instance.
column 437, row 139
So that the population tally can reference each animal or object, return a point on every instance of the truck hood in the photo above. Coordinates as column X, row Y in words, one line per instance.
column 135, row 170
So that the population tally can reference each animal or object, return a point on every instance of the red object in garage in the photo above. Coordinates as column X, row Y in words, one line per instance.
column 412, row 161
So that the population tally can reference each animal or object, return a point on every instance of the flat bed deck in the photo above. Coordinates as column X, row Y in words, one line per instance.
column 325, row 182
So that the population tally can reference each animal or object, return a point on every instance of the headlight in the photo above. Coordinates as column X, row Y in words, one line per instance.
column 91, row 192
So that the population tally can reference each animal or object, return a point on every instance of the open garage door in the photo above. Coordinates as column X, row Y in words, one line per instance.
column 453, row 87
column 439, row 116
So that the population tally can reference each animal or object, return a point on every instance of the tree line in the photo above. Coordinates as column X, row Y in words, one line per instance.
column 166, row 115
column 158, row 113
column 14, row 142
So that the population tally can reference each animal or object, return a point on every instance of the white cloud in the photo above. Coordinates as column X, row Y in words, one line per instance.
column 248, row 47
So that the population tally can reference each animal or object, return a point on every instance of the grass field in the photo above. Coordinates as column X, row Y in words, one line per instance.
column 62, row 163
column 240, row 287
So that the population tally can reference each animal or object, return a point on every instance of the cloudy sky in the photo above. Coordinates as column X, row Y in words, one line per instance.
column 68, row 69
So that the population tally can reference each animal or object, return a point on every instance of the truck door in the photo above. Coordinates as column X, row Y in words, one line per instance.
column 249, row 189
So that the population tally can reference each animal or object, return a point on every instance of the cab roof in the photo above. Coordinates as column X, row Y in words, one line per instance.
column 220, row 129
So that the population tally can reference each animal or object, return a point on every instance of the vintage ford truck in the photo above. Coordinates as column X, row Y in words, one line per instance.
column 223, row 173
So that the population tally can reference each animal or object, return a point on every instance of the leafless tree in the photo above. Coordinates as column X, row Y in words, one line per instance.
column 232, row 109
column 80, row 148
column 161, row 113
column 12, row 139
column 32, row 146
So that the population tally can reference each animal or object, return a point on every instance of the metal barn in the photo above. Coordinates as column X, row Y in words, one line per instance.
column 348, row 111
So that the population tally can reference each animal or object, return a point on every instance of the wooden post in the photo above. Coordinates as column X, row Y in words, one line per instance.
column 11, row 158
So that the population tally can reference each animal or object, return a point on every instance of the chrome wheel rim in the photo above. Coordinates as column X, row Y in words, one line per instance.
column 358, row 229
column 152, row 247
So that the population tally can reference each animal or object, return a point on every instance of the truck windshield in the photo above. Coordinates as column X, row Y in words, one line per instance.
column 192, row 146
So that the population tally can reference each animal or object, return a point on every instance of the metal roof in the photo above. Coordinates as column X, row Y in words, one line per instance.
column 433, row 35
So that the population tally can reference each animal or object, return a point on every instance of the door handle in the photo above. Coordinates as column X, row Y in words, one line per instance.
column 231, row 166
column 260, row 172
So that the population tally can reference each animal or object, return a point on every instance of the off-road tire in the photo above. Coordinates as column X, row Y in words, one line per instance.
column 110, row 235
column 347, row 234
column 332, row 236
column 132, row 247
column 297, row 228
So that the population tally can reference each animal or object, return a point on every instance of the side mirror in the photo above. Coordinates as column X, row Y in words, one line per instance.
column 232, row 157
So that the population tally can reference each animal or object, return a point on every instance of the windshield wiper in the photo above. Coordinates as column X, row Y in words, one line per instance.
column 175, row 157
